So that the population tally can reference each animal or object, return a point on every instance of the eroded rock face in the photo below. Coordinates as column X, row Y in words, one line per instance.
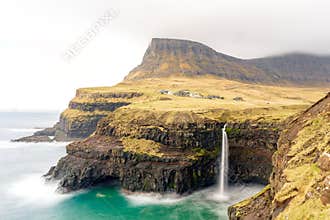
column 166, row 128
column 70, row 129
column 34, row 138
column 299, row 184
column 90, row 107
column 45, row 135
column 180, row 153
column 260, row 203
column 252, row 145
column 180, row 165
column 101, row 158
column 80, row 120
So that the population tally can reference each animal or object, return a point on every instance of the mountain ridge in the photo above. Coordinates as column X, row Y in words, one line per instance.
column 165, row 57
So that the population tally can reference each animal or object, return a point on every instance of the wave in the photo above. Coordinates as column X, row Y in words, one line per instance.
column 13, row 145
column 233, row 195
column 33, row 189
column 25, row 130
column 139, row 199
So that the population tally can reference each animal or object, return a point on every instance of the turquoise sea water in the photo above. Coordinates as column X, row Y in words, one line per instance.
column 24, row 195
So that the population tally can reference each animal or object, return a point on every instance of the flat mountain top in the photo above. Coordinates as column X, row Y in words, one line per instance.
column 166, row 57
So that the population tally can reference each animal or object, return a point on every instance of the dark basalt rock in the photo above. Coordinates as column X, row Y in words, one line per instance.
column 46, row 132
column 252, row 145
column 300, row 180
column 197, row 133
column 33, row 138
column 39, row 136
column 259, row 202
column 97, row 106
column 77, row 129
column 68, row 129
column 101, row 158
column 108, row 95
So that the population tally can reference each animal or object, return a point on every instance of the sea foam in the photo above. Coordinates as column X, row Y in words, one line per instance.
column 33, row 189
column 139, row 199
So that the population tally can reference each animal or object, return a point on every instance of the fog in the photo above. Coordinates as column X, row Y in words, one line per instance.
column 35, row 34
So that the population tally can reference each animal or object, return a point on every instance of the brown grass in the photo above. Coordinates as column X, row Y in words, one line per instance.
column 260, row 101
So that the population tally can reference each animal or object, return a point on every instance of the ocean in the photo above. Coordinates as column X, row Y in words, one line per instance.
column 25, row 196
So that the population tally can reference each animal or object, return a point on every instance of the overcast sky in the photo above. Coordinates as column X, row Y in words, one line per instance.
column 35, row 34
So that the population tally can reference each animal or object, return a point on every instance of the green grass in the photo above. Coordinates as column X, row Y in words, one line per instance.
column 142, row 146
column 260, row 102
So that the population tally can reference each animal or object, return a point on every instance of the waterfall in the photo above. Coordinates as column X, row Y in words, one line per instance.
column 223, row 179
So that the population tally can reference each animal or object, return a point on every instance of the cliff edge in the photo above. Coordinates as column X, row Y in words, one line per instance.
column 300, row 183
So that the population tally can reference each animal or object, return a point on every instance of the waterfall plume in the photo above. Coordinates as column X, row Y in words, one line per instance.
column 223, row 175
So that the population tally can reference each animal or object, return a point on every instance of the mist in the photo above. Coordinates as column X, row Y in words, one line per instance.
column 35, row 34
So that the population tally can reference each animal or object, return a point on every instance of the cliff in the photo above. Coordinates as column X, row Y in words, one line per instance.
column 160, row 151
column 144, row 157
column 174, row 127
column 230, row 100
column 80, row 119
column 300, row 181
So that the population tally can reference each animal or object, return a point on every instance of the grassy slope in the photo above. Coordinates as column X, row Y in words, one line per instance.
column 267, row 102
column 300, row 183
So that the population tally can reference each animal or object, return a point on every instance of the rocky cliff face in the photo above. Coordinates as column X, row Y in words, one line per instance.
column 252, row 145
column 164, row 152
column 101, row 158
column 84, row 112
column 299, row 185
column 144, row 157
column 182, row 130
column 165, row 57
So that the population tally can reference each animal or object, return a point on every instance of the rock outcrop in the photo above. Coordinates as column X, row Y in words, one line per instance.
column 101, row 158
column 84, row 112
column 299, row 184
column 252, row 145
column 157, row 155
column 161, row 152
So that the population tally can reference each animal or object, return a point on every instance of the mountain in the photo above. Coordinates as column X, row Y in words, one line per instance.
column 165, row 57
column 296, row 67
